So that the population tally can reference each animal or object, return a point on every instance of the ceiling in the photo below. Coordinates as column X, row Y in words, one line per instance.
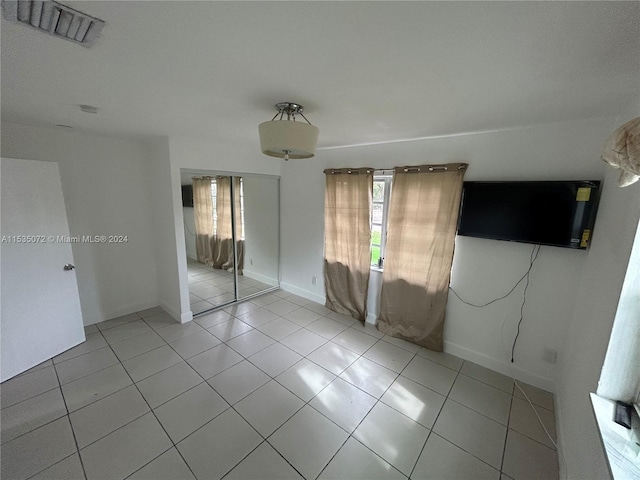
column 366, row 72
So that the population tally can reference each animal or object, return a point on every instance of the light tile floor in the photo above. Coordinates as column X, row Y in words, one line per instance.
column 209, row 287
column 253, row 392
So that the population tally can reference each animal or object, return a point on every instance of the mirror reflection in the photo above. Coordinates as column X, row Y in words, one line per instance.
column 232, row 246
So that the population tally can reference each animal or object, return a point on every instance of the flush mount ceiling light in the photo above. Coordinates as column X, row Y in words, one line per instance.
column 54, row 18
column 285, row 137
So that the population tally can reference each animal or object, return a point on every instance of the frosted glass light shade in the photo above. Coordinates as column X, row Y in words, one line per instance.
column 277, row 137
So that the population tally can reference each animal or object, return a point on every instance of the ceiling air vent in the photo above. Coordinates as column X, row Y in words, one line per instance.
column 54, row 18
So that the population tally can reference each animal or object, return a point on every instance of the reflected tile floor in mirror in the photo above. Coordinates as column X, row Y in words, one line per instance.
column 273, row 388
column 209, row 287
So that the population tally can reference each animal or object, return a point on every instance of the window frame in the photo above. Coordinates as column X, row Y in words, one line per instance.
column 388, row 181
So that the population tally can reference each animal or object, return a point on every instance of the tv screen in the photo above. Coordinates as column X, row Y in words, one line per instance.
column 187, row 196
column 557, row 213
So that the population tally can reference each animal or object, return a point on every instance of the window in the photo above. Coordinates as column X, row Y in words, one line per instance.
column 214, row 193
column 380, row 210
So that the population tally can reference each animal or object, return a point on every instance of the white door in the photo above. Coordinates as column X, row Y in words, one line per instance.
column 41, row 314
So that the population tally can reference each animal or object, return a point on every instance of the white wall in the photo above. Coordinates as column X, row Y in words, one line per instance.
column 548, row 152
column 166, row 234
column 104, row 181
column 261, row 228
column 590, row 326
column 189, row 218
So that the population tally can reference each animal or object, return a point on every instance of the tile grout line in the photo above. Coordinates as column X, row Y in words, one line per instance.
column 308, row 403
column 90, row 373
column 173, row 445
column 264, row 439
column 305, row 403
column 59, row 387
column 73, row 432
column 68, row 415
column 446, row 397
column 378, row 400
column 506, row 434
column 230, row 406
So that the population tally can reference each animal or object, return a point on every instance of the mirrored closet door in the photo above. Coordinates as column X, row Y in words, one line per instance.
column 232, row 245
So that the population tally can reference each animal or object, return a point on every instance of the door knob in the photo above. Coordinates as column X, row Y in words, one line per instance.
column 68, row 266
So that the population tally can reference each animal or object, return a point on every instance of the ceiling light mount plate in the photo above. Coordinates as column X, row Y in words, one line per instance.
column 290, row 109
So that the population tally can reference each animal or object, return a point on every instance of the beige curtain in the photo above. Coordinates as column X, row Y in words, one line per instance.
column 222, row 244
column 347, row 245
column 421, row 229
column 203, row 210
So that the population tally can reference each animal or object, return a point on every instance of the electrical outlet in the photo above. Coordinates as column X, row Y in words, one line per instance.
column 251, row 261
column 550, row 355
column 314, row 280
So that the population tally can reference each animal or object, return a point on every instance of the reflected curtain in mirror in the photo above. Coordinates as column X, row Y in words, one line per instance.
column 347, row 247
column 222, row 245
column 203, row 213
column 423, row 217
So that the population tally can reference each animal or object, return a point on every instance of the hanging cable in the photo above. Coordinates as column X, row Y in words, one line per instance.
column 535, row 251
column 534, row 255
column 532, row 259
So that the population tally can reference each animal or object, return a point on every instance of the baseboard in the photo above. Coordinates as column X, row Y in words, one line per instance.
column 287, row 287
column 563, row 467
column 174, row 313
column 260, row 278
column 500, row 366
column 119, row 312
column 491, row 363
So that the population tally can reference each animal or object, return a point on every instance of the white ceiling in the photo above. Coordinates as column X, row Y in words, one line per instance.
column 365, row 71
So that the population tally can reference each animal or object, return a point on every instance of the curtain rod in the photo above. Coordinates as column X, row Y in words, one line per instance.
column 209, row 177
column 406, row 169
column 349, row 171
column 432, row 168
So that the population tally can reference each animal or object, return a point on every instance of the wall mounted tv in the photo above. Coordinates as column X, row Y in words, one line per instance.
column 557, row 213
column 187, row 196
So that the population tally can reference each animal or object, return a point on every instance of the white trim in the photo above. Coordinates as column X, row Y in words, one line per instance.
column 186, row 317
column 385, row 214
column 175, row 314
column 273, row 282
column 119, row 312
column 504, row 367
column 287, row 287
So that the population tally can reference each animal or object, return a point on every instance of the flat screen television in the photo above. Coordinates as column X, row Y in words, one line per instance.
column 187, row 196
column 557, row 213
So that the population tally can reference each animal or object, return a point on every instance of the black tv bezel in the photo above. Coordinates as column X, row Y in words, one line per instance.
column 588, row 223
column 187, row 200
